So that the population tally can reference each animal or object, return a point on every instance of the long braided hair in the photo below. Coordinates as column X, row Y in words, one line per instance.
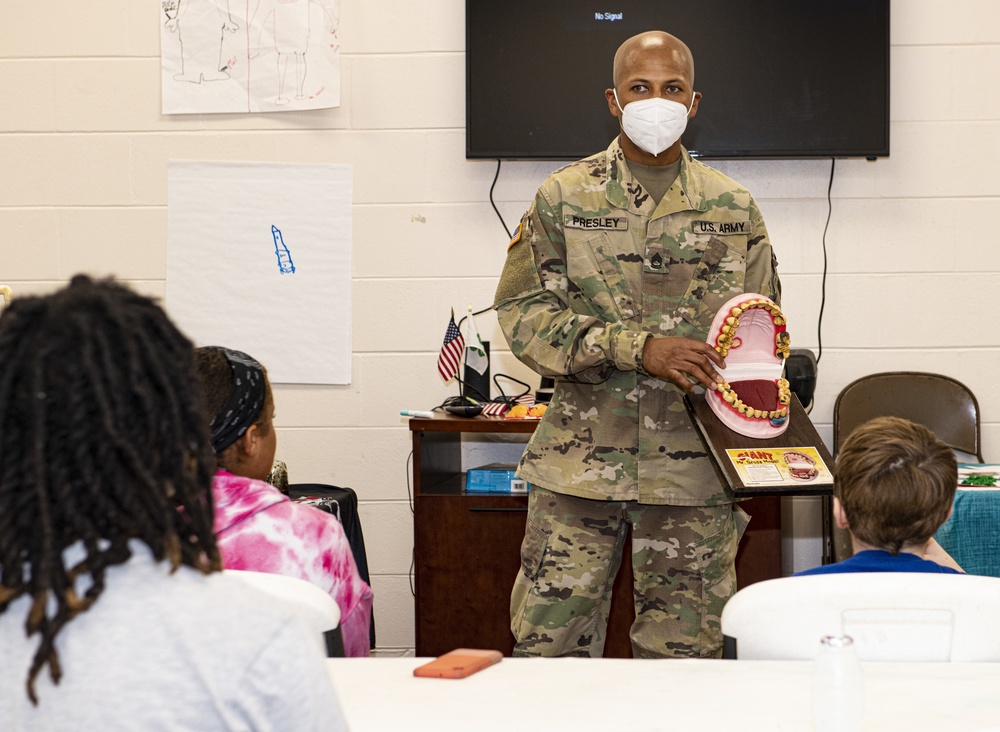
column 102, row 440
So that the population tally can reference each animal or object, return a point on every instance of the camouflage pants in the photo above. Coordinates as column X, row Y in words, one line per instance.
column 683, row 560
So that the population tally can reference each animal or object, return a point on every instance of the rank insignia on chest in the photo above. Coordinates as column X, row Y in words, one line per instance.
column 721, row 228
column 613, row 223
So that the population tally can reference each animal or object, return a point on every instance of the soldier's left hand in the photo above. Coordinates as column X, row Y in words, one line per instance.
column 682, row 361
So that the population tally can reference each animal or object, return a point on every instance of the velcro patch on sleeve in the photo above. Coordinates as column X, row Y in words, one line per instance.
column 520, row 277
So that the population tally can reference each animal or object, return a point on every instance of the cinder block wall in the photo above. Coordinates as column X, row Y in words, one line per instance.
column 913, row 255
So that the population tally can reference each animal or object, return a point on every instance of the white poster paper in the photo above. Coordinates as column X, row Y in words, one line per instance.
column 249, row 55
column 259, row 259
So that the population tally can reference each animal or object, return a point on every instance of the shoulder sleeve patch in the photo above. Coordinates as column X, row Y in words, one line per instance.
column 516, row 238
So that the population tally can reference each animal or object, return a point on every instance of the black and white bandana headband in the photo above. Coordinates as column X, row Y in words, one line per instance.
column 244, row 403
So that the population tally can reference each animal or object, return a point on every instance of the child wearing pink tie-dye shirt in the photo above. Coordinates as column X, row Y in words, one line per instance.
column 257, row 527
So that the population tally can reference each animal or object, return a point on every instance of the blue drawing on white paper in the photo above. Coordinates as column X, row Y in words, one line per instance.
column 285, row 263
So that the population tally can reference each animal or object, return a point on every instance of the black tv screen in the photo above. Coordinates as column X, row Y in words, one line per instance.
column 779, row 78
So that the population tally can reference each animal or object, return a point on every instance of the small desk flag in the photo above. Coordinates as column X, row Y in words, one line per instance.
column 451, row 350
column 475, row 352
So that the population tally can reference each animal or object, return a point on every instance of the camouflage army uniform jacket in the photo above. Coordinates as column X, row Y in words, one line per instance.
column 595, row 269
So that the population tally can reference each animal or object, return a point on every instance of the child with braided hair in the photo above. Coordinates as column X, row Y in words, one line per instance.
column 113, row 612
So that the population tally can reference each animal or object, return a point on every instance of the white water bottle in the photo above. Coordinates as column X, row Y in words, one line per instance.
column 838, row 686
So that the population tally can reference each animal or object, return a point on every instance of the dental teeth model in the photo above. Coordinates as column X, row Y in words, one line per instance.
column 749, row 332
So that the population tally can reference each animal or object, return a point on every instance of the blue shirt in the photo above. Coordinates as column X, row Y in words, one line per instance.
column 877, row 560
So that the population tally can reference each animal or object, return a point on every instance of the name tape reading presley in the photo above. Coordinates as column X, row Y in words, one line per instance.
column 618, row 223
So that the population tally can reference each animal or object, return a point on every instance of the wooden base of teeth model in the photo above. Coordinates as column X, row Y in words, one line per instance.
column 749, row 332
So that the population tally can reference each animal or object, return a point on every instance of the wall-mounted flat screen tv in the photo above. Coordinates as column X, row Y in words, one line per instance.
column 780, row 78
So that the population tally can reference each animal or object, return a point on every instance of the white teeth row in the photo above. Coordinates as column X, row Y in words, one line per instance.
column 784, row 398
column 728, row 330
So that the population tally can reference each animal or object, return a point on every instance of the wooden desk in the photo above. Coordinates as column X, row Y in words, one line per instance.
column 467, row 547
column 380, row 694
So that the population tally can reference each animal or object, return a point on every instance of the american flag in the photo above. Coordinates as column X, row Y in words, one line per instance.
column 451, row 350
column 497, row 409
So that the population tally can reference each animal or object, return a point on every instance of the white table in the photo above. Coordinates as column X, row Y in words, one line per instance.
column 381, row 694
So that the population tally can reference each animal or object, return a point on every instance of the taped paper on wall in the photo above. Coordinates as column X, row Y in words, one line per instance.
column 259, row 259
column 252, row 56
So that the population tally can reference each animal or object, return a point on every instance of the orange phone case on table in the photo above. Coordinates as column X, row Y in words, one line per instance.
column 458, row 664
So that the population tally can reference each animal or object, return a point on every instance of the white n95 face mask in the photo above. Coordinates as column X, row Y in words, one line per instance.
column 654, row 124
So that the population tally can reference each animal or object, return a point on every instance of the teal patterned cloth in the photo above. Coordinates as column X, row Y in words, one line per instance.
column 972, row 534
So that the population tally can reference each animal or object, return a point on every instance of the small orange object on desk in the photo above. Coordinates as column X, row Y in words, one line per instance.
column 459, row 663
column 522, row 411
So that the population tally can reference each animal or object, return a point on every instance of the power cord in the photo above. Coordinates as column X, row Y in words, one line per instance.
column 822, row 299
column 477, row 312
column 510, row 401
column 493, row 203
column 477, row 398
column 409, row 488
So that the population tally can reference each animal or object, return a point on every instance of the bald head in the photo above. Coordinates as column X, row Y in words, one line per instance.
column 652, row 43
column 652, row 65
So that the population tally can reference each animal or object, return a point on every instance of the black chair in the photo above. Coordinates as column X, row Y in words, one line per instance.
column 342, row 503
column 940, row 403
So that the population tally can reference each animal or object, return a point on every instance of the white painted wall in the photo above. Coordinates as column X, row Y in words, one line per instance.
column 913, row 248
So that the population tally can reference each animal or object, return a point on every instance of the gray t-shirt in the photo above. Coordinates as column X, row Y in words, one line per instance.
column 656, row 179
column 161, row 651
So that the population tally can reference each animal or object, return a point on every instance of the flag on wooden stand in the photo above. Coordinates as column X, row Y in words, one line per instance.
column 451, row 350
column 475, row 352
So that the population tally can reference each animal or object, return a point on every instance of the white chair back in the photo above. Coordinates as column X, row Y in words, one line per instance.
column 892, row 616
column 314, row 607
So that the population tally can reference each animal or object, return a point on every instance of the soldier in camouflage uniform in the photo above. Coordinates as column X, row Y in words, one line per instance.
column 610, row 286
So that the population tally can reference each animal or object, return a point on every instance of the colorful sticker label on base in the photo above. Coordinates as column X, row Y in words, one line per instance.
column 780, row 466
